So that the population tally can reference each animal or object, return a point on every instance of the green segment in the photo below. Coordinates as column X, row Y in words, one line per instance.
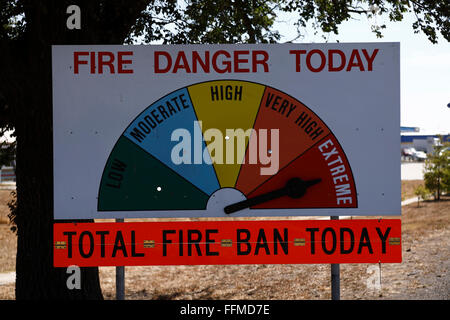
column 133, row 180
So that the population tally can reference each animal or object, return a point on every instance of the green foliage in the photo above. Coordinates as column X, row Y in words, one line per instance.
column 241, row 21
column 446, row 171
column 12, row 21
column 437, row 171
column 7, row 155
column 432, row 17
column 12, row 205
column 204, row 21
column 232, row 21
column 422, row 193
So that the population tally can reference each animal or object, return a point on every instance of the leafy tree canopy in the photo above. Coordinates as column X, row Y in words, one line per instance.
column 236, row 21
column 232, row 21
column 190, row 21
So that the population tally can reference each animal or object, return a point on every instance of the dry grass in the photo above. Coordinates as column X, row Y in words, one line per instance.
column 409, row 187
column 5, row 198
column 8, row 245
column 8, row 240
column 423, row 274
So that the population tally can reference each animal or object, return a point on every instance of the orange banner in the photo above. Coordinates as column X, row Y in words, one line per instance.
column 227, row 242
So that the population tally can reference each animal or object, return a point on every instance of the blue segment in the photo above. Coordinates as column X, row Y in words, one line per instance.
column 173, row 118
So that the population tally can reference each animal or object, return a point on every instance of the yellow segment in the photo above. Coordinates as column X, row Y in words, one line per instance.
column 226, row 109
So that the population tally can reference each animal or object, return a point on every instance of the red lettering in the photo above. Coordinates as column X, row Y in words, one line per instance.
column 355, row 64
column 221, row 61
column 297, row 53
column 226, row 63
column 158, row 69
column 331, row 66
column 181, row 63
column 370, row 58
column 102, row 62
column 102, row 59
column 238, row 60
column 92, row 62
column 323, row 60
column 336, row 60
column 196, row 59
column 121, row 61
column 263, row 61
column 77, row 61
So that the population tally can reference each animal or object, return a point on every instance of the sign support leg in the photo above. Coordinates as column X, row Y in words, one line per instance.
column 335, row 276
column 120, row 278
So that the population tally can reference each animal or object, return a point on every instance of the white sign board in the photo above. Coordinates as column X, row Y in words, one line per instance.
column 226, row 130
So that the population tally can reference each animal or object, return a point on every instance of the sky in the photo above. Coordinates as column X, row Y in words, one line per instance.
column 424, row 67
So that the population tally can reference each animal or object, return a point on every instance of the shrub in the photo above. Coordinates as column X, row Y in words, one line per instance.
column 437, row 171
column 422, row 193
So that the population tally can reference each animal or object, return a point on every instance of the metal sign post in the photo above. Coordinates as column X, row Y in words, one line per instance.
column 120, row 278
column 335, row 276
column 120, row 283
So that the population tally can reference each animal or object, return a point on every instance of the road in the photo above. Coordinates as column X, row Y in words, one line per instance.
column 412, row 170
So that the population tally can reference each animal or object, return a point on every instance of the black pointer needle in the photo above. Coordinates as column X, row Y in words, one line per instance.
column 294, row 188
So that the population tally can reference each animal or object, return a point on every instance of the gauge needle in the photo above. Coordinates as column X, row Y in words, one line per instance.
column 294, row 188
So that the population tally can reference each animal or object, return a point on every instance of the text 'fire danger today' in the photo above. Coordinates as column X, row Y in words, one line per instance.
column 224, row 61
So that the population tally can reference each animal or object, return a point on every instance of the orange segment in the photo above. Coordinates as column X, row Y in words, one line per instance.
column 298, row 127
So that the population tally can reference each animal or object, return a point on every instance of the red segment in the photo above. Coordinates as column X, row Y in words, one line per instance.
column 298, row 129
column 327, row 161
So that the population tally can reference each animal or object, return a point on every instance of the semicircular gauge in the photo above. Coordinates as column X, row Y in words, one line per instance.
column 219, row 135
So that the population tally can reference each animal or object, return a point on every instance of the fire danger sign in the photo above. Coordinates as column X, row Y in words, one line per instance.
column 227, row 242
column 203, row 131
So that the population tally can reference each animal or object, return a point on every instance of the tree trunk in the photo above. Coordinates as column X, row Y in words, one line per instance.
column 36, row 276
column 26, row 84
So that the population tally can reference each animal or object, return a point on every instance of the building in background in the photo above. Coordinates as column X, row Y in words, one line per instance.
column 413, row 137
